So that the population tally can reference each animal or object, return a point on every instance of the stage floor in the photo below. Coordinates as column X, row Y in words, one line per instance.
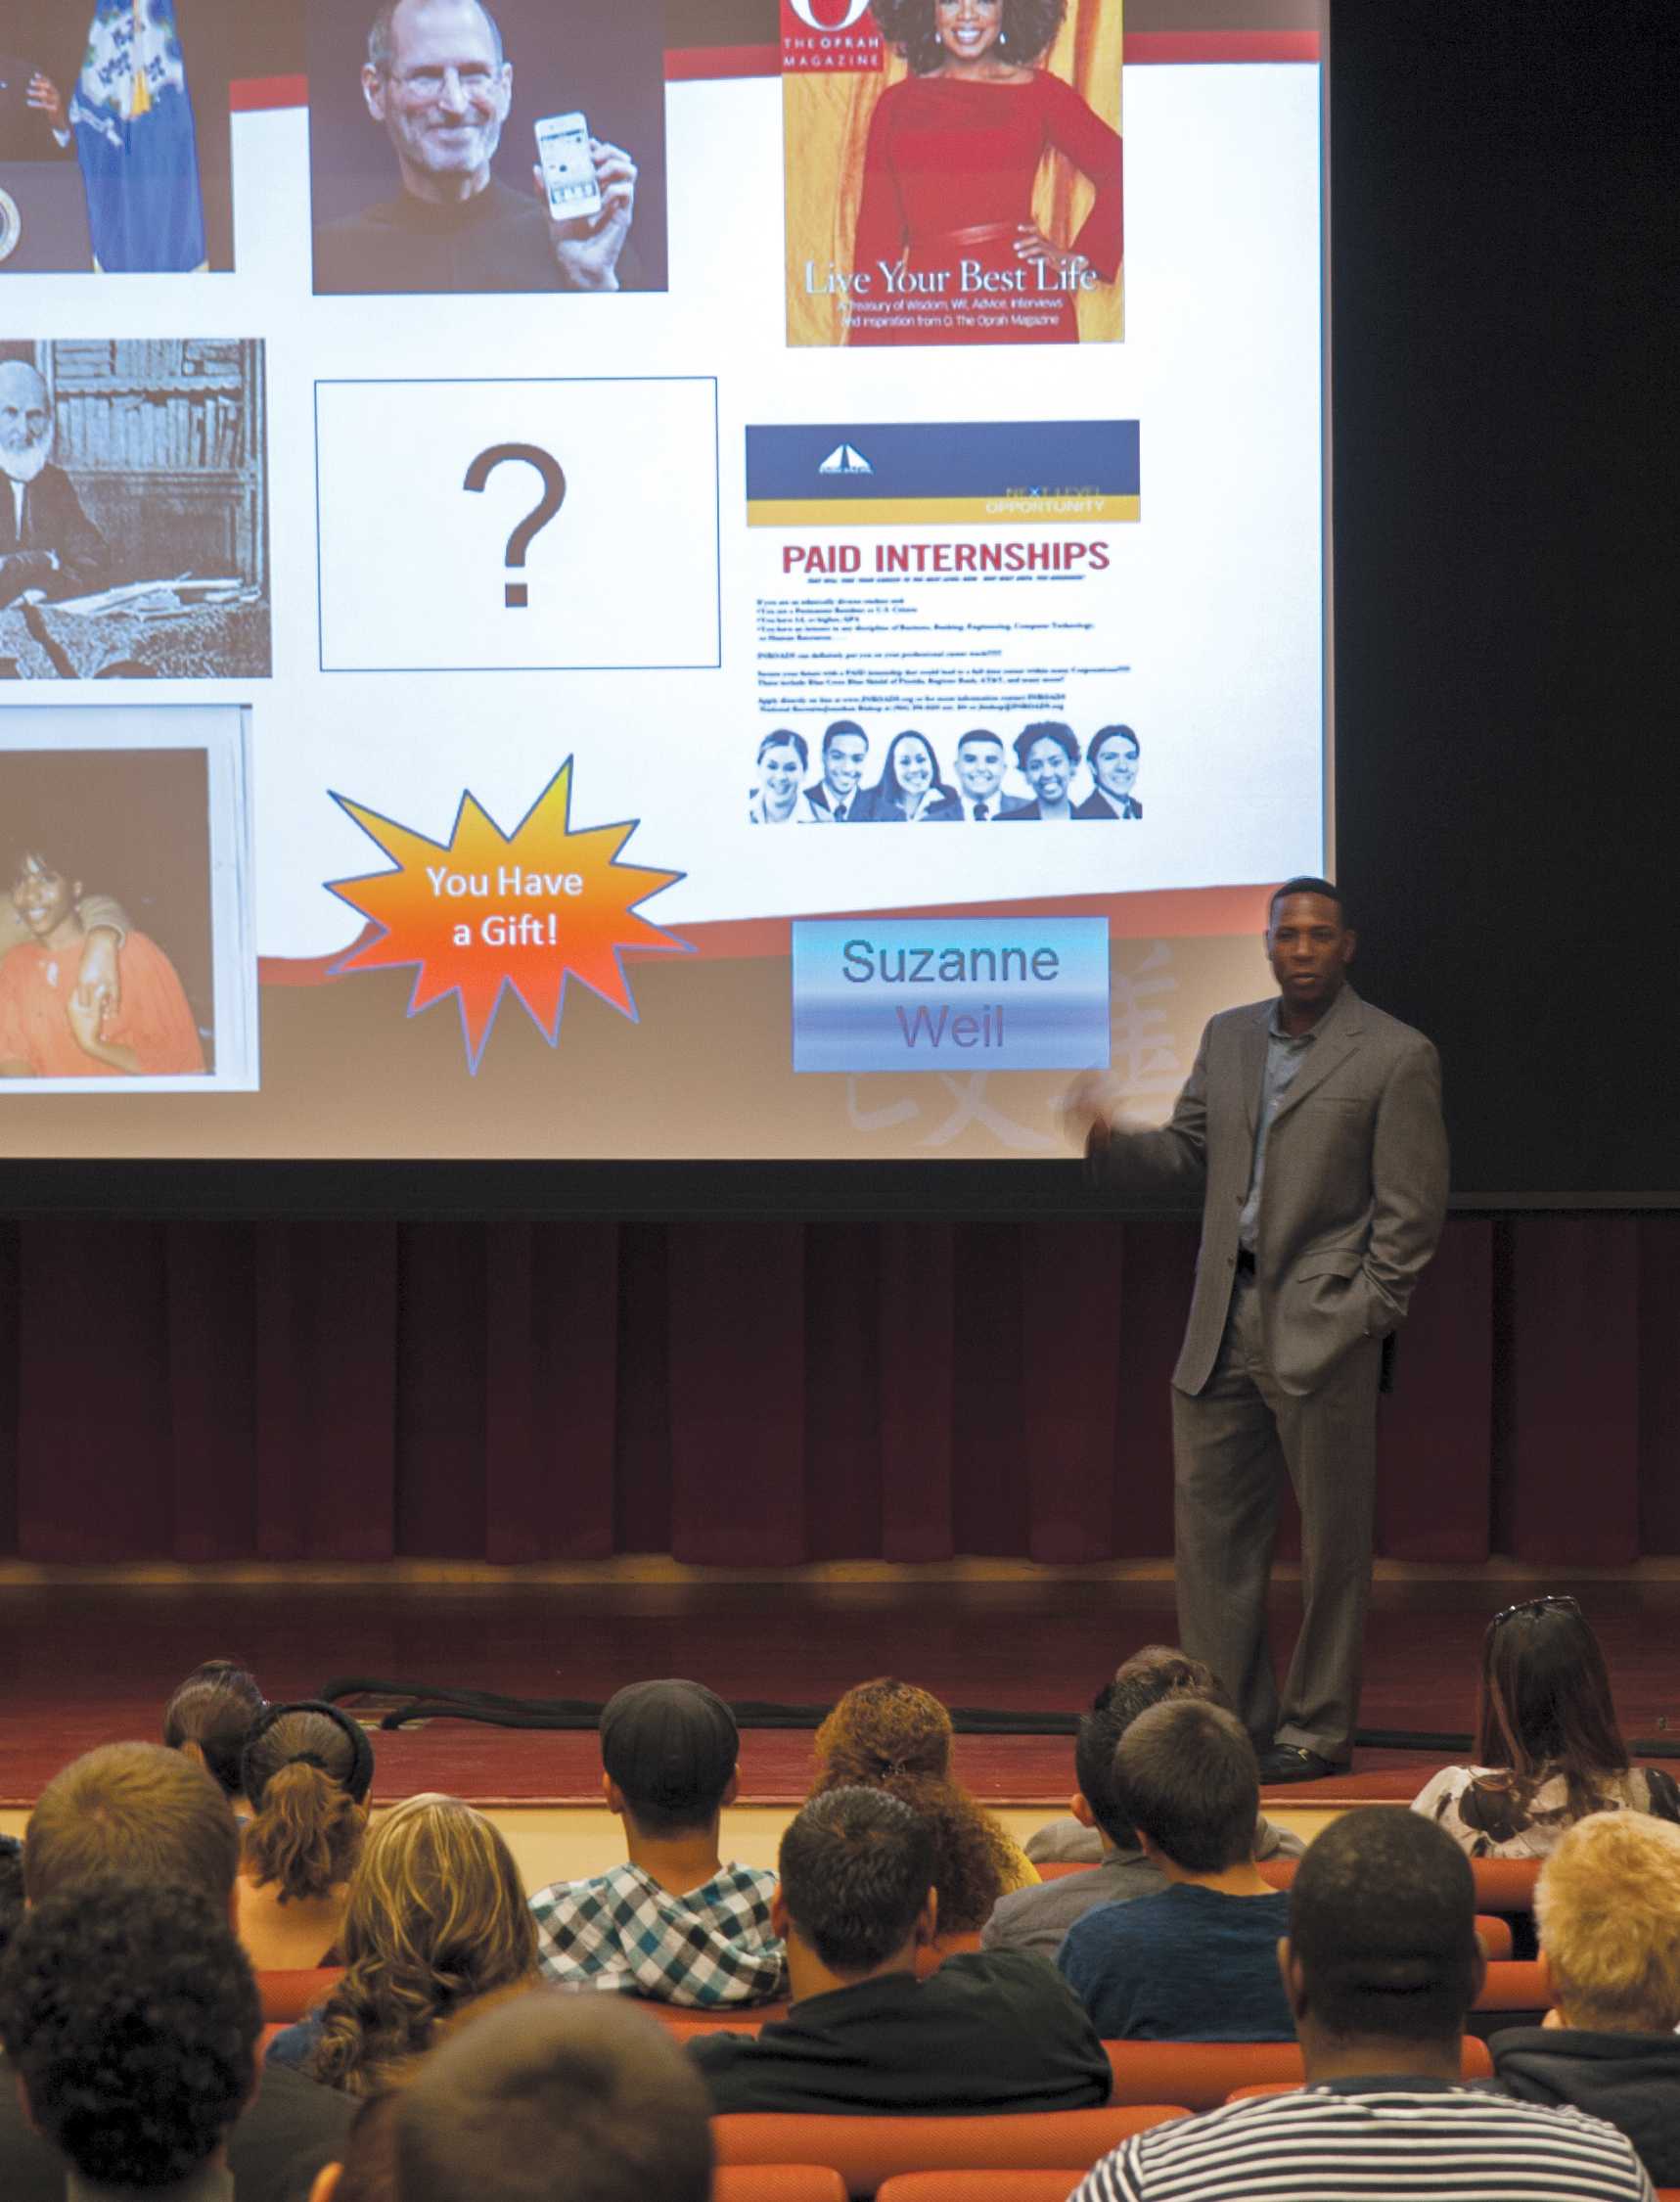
column 81, row 1665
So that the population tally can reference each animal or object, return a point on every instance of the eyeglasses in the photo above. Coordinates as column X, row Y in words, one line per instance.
column 1562, row 1604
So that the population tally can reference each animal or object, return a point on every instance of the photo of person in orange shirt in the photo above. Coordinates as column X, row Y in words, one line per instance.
column 50, row 1027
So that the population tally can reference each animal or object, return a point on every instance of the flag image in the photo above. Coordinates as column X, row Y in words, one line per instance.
column 132, row 114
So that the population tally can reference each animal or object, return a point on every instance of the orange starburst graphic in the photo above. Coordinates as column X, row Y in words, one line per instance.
column 488, row 910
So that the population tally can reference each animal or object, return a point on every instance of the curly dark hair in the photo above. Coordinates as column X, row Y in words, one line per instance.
column 1028, row 27
column 891, row 1735
column 131, row 2016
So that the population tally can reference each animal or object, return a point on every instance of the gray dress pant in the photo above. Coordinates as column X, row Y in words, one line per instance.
column 1229, row 1443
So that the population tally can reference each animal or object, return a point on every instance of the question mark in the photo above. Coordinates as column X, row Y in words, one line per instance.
column 518, row 596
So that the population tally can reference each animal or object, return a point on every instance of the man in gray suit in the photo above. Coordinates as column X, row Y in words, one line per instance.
column 1310, row 1130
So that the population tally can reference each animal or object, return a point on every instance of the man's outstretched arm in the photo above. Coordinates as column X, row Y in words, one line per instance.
column 1165, row 1162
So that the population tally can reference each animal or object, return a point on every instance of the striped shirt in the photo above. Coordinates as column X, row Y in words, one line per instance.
column 1370, row 2140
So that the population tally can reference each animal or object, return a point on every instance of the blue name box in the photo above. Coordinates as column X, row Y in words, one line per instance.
column 1006, row 994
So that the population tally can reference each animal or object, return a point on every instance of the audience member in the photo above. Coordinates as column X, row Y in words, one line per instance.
column 136, row 1809
column 130, row 2016
column 891, row 1735
column 1068, row 1841
column 554, row 2099
column 308, row 1770
column 1608, row 1906
column 1197, row 1961
column 209, row 1718
column 435, row 1919
column 675, row 1923
column 1547, row 1745
column 1037, row 1918
column 1381, row 1966
column 990, row 2031
column 11, row 1888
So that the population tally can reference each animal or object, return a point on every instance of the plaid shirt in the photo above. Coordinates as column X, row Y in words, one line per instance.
column 623, row 1933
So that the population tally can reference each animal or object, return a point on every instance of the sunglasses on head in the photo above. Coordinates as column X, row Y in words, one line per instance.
column 1562, row 1604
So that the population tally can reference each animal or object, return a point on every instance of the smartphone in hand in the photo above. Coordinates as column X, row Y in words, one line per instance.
column 567, row 167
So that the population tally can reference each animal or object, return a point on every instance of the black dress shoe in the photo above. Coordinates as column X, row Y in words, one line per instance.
column 1289, row 1762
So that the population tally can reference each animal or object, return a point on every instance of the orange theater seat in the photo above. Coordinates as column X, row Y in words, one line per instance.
column 739, row 2018
column 1060, row 1872
column 981, row 2187
column 1279, row 1872
column 1201, row 2074
column 867, row 2150
column 777, row 2182
column 1505, row 1884
column 1520, row 1984
column 1494, row 1935
column 293, row 1996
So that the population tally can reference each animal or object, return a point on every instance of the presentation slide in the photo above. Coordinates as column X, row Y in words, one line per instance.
column 500, row 466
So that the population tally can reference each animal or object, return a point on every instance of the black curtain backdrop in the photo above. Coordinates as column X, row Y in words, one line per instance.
column 744, row 1393
column 1505, row 295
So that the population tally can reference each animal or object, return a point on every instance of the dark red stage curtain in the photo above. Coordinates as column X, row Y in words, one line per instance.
column 760, row 1395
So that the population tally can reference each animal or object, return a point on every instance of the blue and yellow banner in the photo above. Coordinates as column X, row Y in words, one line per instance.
column 942, row 472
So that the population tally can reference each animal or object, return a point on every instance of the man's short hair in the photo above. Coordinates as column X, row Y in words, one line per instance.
column 1607, row 1909
column 978, row 734
column 1186, row 1777
column 132, row 1807
column 1149, row 1676
column 670, row 1747
column 839, row 727
column 1382, row 1925
column 11, row 1888
column 1305, row 886
column 856, row 1865
column 551, row 2095
column 131, row 2016
column 381, row 34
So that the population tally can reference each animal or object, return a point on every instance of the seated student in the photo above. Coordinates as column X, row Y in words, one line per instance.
column 1547, row 1749
column 887, row 1734
column 209, row 1718
column 675, row 1923
column 11, row 1888
column 1608, row 1909
column 436, row 1919
column 137, row 1808
column 1166, row 1672
column 306, row 1769
column 988, row 2032
column 1037, row 1918
column 545, row 2095
column 49, row 1025
column 1381, row 1965
column 130, row 2017
column 1197, row 1962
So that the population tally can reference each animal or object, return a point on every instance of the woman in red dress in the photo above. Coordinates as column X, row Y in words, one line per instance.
column 945, row 233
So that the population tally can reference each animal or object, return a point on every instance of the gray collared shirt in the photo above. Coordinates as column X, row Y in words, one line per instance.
column 1285, row 1055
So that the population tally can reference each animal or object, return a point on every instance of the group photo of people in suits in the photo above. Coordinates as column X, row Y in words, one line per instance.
column 845, row 776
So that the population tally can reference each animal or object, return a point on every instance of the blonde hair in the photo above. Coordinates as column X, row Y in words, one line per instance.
column 436, row 1918
column 305, row 1833
column 1607, row 1909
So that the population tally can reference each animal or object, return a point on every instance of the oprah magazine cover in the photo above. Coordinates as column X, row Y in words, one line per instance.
column 953, row 171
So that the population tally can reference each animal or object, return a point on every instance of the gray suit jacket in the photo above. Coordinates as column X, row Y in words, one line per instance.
column 1354, row 1194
